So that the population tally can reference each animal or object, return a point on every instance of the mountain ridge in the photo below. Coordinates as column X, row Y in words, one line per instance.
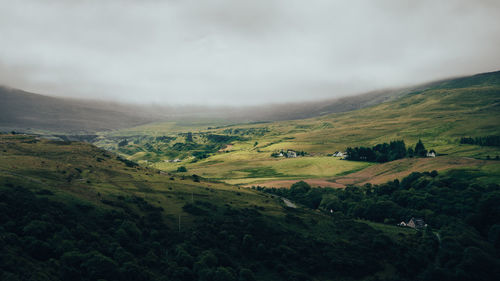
column 31, row 112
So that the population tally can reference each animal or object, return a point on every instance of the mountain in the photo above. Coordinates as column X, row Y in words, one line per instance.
column 20, row 110
column 440, row 115
column 72, row 211
column 31, row 112
column 25, row 111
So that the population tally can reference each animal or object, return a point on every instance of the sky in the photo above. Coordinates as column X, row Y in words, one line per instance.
column 235, row 52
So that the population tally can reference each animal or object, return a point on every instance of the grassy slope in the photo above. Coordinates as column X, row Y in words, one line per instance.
column 439, row 116
column 169, row 128
column 79, row 172
column 377, row 174
column 31, row 112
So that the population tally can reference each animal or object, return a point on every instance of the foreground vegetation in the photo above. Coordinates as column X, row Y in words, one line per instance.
column 71, row 211
column 462, row 236
column 155, row 202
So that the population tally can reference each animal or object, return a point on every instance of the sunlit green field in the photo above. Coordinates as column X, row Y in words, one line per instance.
column 438, row 116
column 244, row 167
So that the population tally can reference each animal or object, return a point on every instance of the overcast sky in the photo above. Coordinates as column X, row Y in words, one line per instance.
column 240, row 52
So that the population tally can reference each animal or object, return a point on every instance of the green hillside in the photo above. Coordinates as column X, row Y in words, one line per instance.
column 71, row 211
column 439, row 115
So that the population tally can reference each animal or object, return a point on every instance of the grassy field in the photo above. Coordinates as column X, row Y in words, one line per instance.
column 438, row 116
column 86, row 178
column 392, row 231
column 381, row 173
column 245, row 167
column 79, row 170
column 76, row 172
column 79, row 173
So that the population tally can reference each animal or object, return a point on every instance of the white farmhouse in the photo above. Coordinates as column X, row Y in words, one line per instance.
column 339, row 154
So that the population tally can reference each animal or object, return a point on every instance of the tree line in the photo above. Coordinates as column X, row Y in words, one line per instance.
column 44, row 239
column 463, row 212
column 386, row 152
column 482, row 141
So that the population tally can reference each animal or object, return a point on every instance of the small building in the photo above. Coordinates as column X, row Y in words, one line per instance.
column 431, row 153
column 291, row 154
column 176, row 160
column 339, row 154
column 416, row 223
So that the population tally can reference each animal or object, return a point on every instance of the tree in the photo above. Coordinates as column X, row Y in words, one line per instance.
column 98, row 266
column 246, row 275
column 182, row 169
column 331, row 202
column 420, row 149
column 224, row 274
column 411, row 153
column 123, row 143
column 494, row 235
column 196, row 178
column 299, row 187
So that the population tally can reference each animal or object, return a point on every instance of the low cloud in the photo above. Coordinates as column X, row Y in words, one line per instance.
column 235, row 52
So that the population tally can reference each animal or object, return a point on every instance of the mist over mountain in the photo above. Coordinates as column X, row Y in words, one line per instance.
column 270, row 140
column 25, row 111
column 20, row 110
column 224, row 52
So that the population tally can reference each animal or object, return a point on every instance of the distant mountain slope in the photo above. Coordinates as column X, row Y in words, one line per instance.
column 438, row 115
column 309, row 109
column 20, row 110
column 482, row 79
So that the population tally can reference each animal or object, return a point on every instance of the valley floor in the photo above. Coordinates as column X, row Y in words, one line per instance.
column 381, row 173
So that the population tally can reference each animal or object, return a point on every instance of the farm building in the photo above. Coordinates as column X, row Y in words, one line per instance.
column 339, row 154
column 416, row 223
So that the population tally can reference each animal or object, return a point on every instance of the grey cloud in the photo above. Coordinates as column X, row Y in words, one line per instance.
column 236, row 52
